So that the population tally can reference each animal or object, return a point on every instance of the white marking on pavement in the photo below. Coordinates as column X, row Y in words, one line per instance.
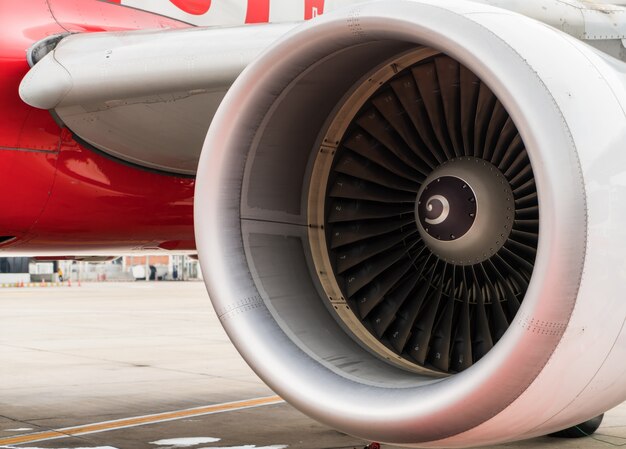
column 185, row 442
column 249, row 446
column 31, row 447
column 139, row 421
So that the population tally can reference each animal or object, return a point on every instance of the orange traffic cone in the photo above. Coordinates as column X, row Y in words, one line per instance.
column 21, row 283
column 69, row 282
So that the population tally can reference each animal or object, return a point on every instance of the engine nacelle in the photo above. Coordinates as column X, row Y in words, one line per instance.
column 409, row 216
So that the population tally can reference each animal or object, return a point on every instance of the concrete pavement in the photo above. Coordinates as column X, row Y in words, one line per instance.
column 112, row 351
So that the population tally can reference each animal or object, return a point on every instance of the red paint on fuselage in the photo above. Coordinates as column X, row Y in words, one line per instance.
column 258, row 11
column 57, row 196
column 195, row 7
column 313, row 8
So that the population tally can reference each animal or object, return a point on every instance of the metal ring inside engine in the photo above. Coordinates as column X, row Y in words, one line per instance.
column 451, row 196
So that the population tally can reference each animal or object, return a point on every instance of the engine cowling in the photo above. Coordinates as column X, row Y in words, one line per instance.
column 409, row 218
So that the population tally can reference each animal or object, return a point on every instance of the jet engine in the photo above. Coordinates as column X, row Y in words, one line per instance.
column 410, row 220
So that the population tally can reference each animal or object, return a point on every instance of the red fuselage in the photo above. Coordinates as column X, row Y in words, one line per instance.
column 59, row 197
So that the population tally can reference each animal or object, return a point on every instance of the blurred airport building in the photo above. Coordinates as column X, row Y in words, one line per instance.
column 15, row 270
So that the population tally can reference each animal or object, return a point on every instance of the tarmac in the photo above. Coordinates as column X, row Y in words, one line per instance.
column 148, row 366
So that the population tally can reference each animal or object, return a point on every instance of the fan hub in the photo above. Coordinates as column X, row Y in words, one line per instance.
column 465, row 210
column 446, row 209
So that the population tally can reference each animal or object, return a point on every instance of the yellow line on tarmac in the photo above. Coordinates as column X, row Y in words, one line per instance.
column 139, row 420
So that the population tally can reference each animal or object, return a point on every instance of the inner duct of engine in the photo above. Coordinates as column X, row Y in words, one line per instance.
column 431, row 216
column 389, row 214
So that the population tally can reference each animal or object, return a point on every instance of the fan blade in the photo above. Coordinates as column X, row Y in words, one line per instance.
column 372, row 150
column 513, row 273
column 527, row 213
column 351, row 210
column 461, row 357
column 365, row 273
column 514, row 149
column 373, row 294
column 387, row 310
column 423, row 329
column 525, row 251
column 353, row 255
column 527, row 201
column 391, row 108
column 484, row 110
column 375, row 124
column 440, row 343
column 499, row 322
column 525, row 174
column 527, row 238
column 448, row 73
column 428, row 86
column 494, row 130
column 509, row 131
column 512, row 304
column 525, row 189
column 482, row 341
column 526, row 225
column 357, row 166
column 352, row 188
column 408, row 94
column 351, row 232
column 401, row 328
column 470, row 89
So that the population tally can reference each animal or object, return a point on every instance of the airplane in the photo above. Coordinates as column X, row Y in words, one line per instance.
column 409, row 213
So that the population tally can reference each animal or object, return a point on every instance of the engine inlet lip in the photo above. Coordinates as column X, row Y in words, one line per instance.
column 277, row 359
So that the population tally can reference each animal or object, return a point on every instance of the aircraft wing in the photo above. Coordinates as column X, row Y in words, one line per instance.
column 146, row 97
